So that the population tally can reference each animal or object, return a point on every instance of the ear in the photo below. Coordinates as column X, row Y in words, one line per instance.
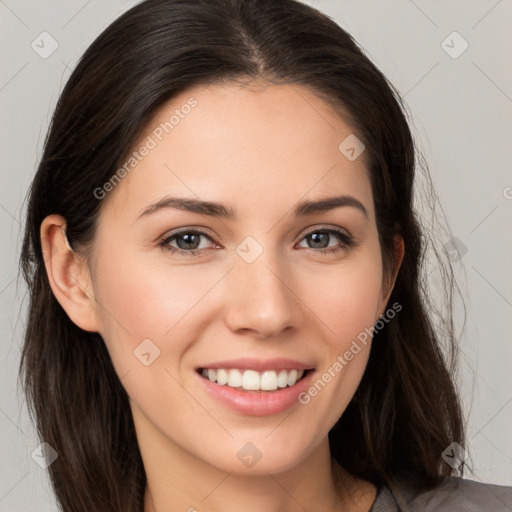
column 389, row 281
column 68, row 274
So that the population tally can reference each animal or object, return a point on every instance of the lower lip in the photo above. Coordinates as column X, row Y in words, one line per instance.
column 258, row 403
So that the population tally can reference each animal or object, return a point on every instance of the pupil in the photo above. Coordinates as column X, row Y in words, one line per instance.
column 187, row 240
column 315, row 236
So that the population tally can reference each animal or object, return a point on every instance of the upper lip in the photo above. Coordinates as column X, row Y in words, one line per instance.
column 259, row 364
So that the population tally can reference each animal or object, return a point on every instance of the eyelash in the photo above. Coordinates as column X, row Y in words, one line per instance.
column 346, row 239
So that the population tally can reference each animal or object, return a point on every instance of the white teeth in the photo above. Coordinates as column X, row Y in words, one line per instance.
column 234, row 379
column 269, row 381
column 282, row 380
column 222, row 377
column 292, row 377
column 251, row 380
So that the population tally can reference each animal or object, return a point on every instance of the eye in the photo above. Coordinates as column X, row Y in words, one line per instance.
column 188, row 241
column 318, row 238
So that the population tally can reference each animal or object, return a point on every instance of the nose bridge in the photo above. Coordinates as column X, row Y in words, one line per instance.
column 262, row 298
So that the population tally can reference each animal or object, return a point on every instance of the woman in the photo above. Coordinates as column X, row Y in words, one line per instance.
column 285, row 359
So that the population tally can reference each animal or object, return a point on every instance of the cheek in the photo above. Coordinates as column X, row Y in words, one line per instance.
column 347, row 298
column 139, row 300
column 143, row 298
column 347, row 306
column 148, row 317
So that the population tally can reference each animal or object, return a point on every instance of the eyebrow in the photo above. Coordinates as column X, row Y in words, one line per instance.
column 213, row 209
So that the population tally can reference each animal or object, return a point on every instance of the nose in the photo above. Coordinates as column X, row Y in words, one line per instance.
column 261, row 297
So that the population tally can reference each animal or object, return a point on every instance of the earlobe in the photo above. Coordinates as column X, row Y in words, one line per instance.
column 68, row 274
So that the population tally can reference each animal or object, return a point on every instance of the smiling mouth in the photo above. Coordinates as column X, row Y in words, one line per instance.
column 251, row 380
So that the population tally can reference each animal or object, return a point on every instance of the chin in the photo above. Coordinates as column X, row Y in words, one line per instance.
column 261, row 457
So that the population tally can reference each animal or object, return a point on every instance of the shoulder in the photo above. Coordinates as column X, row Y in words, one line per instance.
column 454, row 495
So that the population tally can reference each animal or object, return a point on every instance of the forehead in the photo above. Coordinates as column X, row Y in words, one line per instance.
column 250, row 146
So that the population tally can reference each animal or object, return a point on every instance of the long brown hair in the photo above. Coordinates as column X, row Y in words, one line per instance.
column 406, row 411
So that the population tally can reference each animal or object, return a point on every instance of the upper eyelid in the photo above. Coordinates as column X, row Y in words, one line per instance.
column 204, row 232
column 336, row 230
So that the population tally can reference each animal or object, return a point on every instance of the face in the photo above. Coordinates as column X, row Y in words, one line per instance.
column 178, row 291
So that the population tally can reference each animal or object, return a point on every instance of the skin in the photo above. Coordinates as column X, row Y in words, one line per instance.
column 260, row 150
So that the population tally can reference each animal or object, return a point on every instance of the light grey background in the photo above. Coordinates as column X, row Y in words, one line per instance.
column 461, row 109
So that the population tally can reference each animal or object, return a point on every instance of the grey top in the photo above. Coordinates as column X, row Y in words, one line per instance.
column 453, row 495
